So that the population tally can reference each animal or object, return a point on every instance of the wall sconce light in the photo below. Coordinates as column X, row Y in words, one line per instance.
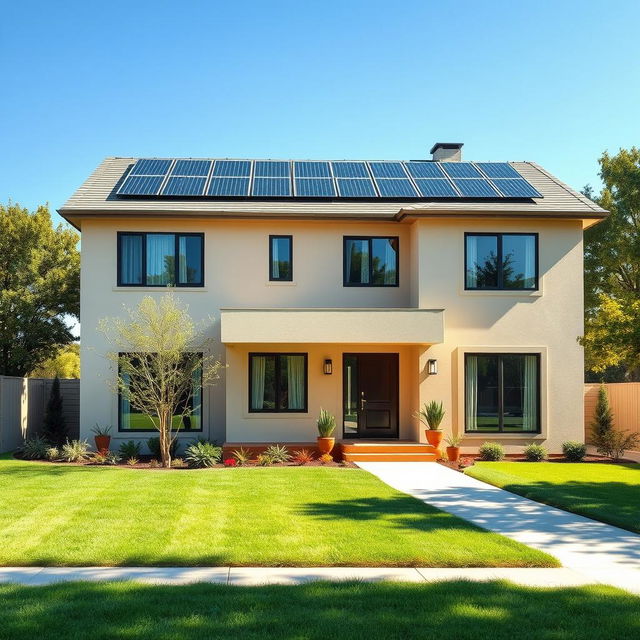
column 328, row 367
column 432, row 367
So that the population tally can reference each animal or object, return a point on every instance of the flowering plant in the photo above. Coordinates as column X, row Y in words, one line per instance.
column 230, row 462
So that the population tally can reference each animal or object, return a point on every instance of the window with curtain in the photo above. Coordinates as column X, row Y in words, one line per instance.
column 501, row 261
column 160, row 259
column 278, row 382
column 502, row 393
column 280, row 258
column 371, row 261
column 131, row 419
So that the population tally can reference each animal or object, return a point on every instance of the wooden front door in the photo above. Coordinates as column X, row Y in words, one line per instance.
column 370, row 399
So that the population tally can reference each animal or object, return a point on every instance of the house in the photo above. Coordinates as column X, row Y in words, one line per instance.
column 363, row 287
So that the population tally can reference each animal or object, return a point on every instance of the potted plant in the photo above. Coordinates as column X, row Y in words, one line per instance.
column 431, row 416
column 326, row 426
column 102, row 437
column 453, row 450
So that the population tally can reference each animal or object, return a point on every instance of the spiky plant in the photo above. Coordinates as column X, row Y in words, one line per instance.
column 326, row 424
column 431, row 415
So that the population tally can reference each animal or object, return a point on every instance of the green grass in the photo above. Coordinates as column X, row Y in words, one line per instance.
column 286, row 516
column 460, row 610
column 606, row 492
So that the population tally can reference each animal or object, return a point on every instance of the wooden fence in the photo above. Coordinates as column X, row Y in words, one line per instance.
column 23, row 402
column 624, row 398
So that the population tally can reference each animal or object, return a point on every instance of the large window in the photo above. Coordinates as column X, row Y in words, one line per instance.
column 502, row 261
column 131, row 419
column 502, row 393
column 371, row 262
column 278, row 382
column 160, row 259
column 280, row 258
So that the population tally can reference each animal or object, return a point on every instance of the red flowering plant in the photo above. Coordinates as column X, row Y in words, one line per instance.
column 230, row 462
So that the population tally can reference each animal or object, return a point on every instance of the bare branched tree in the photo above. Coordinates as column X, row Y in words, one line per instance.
column 158, row 353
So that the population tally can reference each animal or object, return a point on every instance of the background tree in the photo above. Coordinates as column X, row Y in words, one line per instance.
column 64, row 364
column 55, row 425
column 39, row 286
column 158, row 351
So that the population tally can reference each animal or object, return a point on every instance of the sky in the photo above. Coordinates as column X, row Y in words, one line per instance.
column 554, row 82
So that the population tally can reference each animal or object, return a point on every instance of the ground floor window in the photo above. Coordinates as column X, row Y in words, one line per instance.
column 502, row 393
column 278, row 382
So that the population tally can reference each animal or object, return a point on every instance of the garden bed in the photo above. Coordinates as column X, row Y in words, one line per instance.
column 467, row 461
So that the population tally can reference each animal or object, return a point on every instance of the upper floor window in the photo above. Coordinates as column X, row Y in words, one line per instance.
column 161, row 259
column 281, row 258
column 371, row 261
column 501, row 261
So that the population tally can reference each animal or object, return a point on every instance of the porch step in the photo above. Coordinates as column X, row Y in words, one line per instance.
column 388, row 452
column 390, row 457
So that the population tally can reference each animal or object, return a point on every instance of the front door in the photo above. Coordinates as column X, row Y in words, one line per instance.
column 370, row 399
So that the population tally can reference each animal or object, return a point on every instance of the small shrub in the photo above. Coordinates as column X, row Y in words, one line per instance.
column 74, row 451
column 202, row 454
column 129, row 449
column 241, row 456
column 264, row 459
column 111, row 458
column 132, row 462
column 278, row 453
column 53, row 453
column 35, row 448
column 326, row 424
column 491, row 451
column 153, row 463
column 154, row 447
column 616, row 442
column 179, row 463
column 99, row 458
column 602, row 424
column 325, row 458
column 535, row 452
column 230, row 462
column 302, row 456
column 574, row 451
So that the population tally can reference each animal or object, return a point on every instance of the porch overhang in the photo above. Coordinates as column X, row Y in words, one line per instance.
column 332, row 326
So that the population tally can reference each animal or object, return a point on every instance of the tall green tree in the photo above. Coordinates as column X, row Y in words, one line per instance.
column 39, row 287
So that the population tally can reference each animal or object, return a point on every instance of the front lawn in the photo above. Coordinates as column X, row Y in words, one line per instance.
column 606, row 492
column 55, row 514
column 358, row 611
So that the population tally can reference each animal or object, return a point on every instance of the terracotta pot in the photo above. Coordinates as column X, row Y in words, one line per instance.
column 102, row 443
column 434, row 437
column 453, row 453
column 325, row 445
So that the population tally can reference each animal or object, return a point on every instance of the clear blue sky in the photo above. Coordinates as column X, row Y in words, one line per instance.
column 556, row 82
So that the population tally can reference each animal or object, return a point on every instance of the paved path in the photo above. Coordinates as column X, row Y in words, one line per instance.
column 598, row 551
column 252, row 576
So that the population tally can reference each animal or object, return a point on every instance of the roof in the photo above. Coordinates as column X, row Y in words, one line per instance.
column 97, row 197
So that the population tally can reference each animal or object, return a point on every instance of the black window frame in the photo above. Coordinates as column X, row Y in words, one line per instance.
column 177, row 235
column 500, row 428
column 153, row 429
column 345, row 266
column 279, row 237
column 277, row 354
column 499, row 236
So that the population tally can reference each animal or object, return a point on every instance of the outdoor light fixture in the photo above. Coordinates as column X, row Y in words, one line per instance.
column 328, row 367
column 432, row 367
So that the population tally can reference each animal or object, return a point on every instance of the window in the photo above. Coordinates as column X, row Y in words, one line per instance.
column 160, row 259
column 502, row 393
column 370, row 262
column 281, row 258
column 278, row 382
column 131, row 419
column 501, row 261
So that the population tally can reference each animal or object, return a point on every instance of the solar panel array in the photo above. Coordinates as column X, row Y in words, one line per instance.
column 417, row 179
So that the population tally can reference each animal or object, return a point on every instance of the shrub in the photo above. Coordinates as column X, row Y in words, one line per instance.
column 616, row 442
column 129, row 449
column 326, row 424
column 535, row 452
column 55, row 425
column 602, row 424
column 132, row 462
column 111, row 458
column 264, row 459
column 35, row 448
column 53, row 453
column 302, row 456
column 241, row 456
column 325, row 458
column 154, row 447
column 574, row 451
column 74, row 451
column 431, row 414
column 230, row 462
column 203, row 454
column 153, row 463
column 278, row 453
column 491, row 451
column 178, row 463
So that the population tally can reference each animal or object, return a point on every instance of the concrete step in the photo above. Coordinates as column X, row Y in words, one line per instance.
column 386, row 447
column 390, row 457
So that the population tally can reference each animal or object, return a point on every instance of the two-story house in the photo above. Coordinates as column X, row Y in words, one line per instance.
column 364, row 287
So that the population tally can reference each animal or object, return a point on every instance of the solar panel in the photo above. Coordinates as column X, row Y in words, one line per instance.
column 235, row 168
column 515, row 188
column 498, row 170
column 396, row 188
column 151, row 167
column 460, row 170
column 315, row 187
column 311, row 169
column 228, row 186
column 271, row 187
column 475, row 188
column 356, row 188
column 387, row 170
column 424, row 170
column 350, row 170
column 436, row 188
column 272, row 169
column 141, row 186
column 184, row 186
column 191, row 168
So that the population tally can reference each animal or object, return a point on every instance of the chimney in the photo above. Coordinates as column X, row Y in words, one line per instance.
column 447, row 151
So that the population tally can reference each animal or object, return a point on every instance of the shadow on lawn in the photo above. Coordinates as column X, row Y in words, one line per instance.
column 461, row 610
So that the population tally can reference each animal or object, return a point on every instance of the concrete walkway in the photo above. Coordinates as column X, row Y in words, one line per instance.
column 597, row 551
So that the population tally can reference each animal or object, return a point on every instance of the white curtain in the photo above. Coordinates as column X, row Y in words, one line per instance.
column 275, row 265
column 390, row 260
column 159, row 248
column 183, row 276
column 196, row 413
column 258, row 369
column 529, row 261
column 471, row 393
column 530, row 404
column 295, row 381
column 472, row 260
column 125, row 406
column 131, row 259
column 364, row 260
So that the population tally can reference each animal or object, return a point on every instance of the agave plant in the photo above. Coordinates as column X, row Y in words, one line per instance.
column 326, row 424
column 453, row 441
column 431, row 414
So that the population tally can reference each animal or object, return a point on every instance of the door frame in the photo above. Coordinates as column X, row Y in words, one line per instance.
column 358, row 436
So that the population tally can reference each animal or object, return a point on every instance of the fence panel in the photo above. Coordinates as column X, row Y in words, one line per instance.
column 624, row 398
column 13, row 412
column 39, row 392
